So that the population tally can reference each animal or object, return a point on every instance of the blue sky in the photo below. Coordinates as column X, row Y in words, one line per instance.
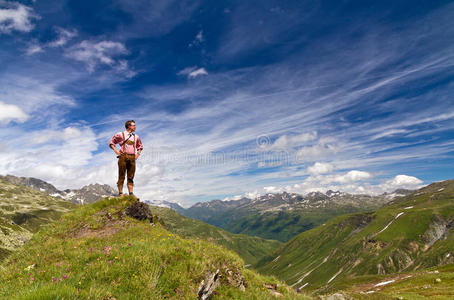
column 231, row 98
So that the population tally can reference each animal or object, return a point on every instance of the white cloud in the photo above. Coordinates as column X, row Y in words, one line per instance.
column 94, row 54
column 351, row 176
column 272, row 189
column 63, row 37
column 193, row 72
column 58, row 156
column 197, row 40
column 401, row 182
column 288, row 141
column 325, row 146
column 388, row 133
column 33, row 49
column 40, row 99
column 320, row 168
column 199, row 36
column 354, row 182
column 11, row 112
column 198, row 72
column 16, row 16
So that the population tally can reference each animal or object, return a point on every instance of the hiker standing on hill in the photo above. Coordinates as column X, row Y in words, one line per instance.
column 130, row 148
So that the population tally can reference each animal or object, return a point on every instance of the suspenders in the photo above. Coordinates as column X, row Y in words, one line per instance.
column 124, row 142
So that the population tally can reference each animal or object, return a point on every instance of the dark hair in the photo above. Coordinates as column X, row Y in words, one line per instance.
column 127, row 123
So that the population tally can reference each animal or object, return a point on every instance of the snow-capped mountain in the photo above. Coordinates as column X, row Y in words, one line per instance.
column 85, row 195
column 163, row 203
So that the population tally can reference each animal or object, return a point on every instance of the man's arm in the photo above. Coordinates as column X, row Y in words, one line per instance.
column 113, row 141
column 112, row 146
column 139, row 147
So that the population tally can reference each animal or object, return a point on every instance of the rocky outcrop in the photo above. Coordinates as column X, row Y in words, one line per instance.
column 207, row 286
column 438, row 229
column 140, row 211
column 224, row 275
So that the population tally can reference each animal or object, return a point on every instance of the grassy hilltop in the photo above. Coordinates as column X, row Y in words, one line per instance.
column 95, row 252
column 250, row 248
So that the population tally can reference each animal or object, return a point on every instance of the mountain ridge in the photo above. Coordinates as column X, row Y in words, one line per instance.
column 86, row 194
column 281, row 216
column 408, row 234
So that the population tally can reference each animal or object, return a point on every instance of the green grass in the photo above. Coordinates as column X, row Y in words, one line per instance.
column 354, row 246
column 282, row 225
column 431, row 283
column 23, row 211
column 94, row 252
column 250, row 248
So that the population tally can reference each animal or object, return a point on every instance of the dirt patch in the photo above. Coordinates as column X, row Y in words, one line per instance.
column 111, row 224
column 108, row 224
column 110, row 228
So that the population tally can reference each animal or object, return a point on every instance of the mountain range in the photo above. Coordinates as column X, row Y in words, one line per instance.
column 407, row 235
column 392, row 246
column 85, row 195
column 23, row 211
column 281, row 216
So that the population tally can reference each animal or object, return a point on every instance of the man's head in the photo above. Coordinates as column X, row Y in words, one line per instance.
column 130, row 125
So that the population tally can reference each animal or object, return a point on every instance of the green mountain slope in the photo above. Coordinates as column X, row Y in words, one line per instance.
column 250, row 248
column 283, row 225
column 431, row 283
column 96, row 252
column 281, row 216
column 411, row 233
column 24, row 211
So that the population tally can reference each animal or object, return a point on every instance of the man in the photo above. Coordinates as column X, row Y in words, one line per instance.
column 130, row 149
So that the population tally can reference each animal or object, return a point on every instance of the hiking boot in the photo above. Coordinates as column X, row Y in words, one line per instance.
column 134, row 196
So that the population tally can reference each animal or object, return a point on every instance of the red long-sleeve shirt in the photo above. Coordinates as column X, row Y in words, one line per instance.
column 127, row 147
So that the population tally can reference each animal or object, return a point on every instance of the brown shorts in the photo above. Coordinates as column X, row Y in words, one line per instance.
column 126, row 163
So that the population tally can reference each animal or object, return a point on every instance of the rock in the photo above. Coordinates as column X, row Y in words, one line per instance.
column 140, row 211
column 30, row 267
column 438, row 229
column 336, row 296
column 272, row 288
column 207, row 286
column 236, row 279
column 380, row 269
column 438, row 280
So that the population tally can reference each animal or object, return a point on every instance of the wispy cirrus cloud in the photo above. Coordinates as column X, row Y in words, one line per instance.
column 94, row 54
column 349, row 104
column 192, row 72
column 62, row 38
